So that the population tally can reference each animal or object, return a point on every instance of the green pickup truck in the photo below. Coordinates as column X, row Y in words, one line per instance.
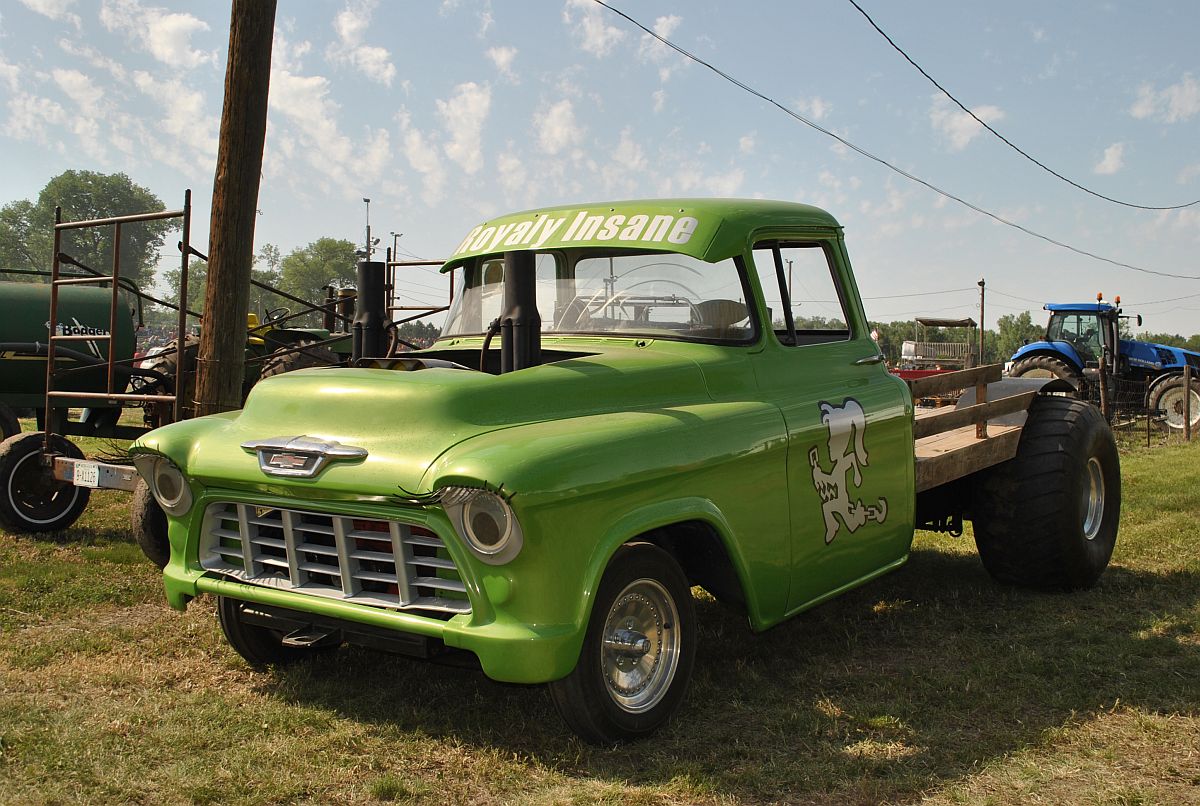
column 622, row 406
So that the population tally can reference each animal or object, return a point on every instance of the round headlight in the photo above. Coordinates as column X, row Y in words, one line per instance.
column 167, row 484
column 485, row 522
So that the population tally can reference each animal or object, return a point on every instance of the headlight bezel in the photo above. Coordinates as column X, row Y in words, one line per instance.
column 470, row 509
column 160, row 474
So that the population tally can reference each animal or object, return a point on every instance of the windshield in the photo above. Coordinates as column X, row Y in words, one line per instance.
column 620, row 292
column 1081, row 330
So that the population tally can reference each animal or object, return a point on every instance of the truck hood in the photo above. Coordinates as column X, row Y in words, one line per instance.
column 404, row 420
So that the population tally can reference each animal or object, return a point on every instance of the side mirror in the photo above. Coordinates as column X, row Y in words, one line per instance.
column 1139, row 317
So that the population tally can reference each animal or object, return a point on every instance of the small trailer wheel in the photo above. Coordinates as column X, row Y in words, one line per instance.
column 149, row 524
column 1048, row 517
column 638, row 651
column 31, row 499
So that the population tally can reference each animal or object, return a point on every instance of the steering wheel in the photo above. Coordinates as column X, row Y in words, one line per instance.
column 276, row 314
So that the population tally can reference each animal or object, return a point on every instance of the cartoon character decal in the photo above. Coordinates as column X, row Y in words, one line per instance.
column 847, row 426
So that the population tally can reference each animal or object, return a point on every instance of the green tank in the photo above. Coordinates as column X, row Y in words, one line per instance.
column 25, row 328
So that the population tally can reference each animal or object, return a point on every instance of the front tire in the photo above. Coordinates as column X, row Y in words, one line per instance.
column 638, row 651
column 31, row 500
column 1048, row 517
column 1170, row 397
column 260, row 646
column 149, row 524
column 1046, row 366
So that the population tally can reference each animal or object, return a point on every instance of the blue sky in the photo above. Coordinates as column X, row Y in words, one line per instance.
column 447, row 113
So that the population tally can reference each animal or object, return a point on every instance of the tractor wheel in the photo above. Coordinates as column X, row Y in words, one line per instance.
column 1048, row 517
column 282, row 360
column 1171, row 397
column 637, row 653
column 8, row 423
column 260, row 646
column 182, row 372
column 1047, row 366
column 31, row 500
column 149, row 525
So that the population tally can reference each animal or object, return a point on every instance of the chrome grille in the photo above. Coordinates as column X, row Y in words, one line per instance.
column 338, row 557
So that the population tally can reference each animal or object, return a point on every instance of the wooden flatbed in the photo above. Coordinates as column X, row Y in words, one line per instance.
column 952, row 443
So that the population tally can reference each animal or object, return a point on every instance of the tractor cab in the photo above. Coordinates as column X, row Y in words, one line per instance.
column 1084, row 329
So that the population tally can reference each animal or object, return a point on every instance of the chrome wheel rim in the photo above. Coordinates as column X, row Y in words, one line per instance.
column 639, row 654
column 1093, row 499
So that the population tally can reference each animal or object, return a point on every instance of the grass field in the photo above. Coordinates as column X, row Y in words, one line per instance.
column 933, row 685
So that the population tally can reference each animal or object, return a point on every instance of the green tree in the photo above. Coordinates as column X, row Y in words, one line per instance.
column 305, row 272
column 1014, row 331
column 27, row 228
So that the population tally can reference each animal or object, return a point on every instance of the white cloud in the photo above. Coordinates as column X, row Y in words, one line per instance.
column 746, row 143
column 511, row 172
column 464, row 115
column 55, row 10
column 653, row 50
column 957, row 126
column 1173, row 104
column 167, row 36
column 1114, row 160
column 10, row 74
column 424, row 159
column 29, row 117
column 660, row 100
column 191, row 134
column 1189, row 173
column 286, row 55
column 78, row 87
column 339, row 162
column 351, row 25
column 556, row 127
column 595, row 35
column 94, row 57
column 503, row 58
column 816, row 107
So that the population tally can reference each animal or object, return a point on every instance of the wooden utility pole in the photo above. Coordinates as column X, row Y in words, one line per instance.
column 234, row 207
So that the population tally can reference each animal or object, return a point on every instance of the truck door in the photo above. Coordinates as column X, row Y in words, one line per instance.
column 850, row 449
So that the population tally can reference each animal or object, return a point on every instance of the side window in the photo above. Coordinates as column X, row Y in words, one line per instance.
column 801, row 292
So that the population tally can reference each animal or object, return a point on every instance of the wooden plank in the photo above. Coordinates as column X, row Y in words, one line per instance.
column 953, row 381
column 954, row 454
column 938, row 420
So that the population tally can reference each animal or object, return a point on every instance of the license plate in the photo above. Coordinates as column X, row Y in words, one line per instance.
column 87, row 474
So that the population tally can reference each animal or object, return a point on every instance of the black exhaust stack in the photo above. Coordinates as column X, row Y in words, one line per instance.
column 369, row 334
column 520, row 324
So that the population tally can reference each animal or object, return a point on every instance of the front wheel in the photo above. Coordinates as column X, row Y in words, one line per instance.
column 638, row 651
column 260, row 646
column 31, row 499
column 1048, row 517
column 1171, row 397
column 149, row 524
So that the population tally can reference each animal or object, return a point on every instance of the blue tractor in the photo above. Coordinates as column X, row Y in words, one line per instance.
column 1084, row 338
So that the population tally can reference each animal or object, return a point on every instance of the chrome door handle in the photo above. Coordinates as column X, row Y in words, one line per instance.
column 878, row 358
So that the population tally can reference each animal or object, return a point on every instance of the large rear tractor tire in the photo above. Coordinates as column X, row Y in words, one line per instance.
column 149, row 524
column 285, row 360
column 1046, row 366
column 638, row 651
column 1170, row 397
column 180, row 368
column 9, row 426
column 1048, row 517
column 31, row 500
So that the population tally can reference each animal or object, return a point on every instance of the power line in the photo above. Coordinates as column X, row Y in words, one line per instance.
column 792, row 113
column 1001, row 137
column 921, row 294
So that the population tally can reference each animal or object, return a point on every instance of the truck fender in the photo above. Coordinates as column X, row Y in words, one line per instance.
column 1008, row 387
column 656, row 516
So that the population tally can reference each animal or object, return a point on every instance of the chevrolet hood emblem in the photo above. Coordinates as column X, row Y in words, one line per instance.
column 300, row 456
